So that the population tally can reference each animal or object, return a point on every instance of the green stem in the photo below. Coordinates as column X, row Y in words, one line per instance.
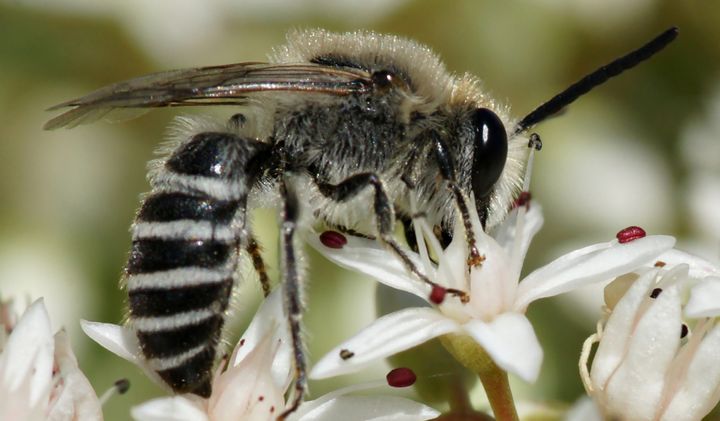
column 459, row 400
column 497, row 388
column 494, row 379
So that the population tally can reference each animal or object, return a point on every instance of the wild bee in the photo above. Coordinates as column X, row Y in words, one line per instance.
column 357, row 130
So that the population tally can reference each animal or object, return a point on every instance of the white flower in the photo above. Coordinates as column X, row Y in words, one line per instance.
column 494, row 317
column 648, row 366
column 253, row 386
column 39, row 375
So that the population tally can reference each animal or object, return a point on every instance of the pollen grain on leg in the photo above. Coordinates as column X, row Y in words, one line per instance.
column 464, row 296
column 475, row 259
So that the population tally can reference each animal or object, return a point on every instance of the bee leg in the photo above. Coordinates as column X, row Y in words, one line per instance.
column 384, row 216
column 254, row 250
column 292, row 291
column 447, row 172
column 409, row 231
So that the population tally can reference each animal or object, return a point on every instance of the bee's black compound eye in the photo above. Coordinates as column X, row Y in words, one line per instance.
column 383, row 79
column 490, row 151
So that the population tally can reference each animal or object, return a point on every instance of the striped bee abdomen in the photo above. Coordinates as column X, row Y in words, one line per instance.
column 184, row 252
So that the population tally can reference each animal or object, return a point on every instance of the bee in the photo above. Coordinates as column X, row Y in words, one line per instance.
column 357, row 130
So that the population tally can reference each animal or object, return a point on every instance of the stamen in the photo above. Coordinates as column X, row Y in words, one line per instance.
column 516, row 250
column 437, row 295
column 419, row 237
column 523, row 200
column 346, row 354
column 120, row 387
column 630, row 234
column 333, row 239
column 401, row 377
column 535, row 142
column 656, row 293
column 684, row 331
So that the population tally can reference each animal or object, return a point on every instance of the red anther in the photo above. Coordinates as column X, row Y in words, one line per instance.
column 523, row 200
column 630, row 234
column 333, row 239
column 401, row 377
column 437, row 295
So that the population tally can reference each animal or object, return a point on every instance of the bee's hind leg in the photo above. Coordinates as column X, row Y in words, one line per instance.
column 292, row 289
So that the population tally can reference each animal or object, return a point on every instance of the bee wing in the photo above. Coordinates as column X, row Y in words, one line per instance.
column 213, row 85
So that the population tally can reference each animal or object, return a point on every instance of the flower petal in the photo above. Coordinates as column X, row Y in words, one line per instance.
column 493, row 285
column 635, row 389
column 175, row 408
column 584, row 409
column 506, row 233
column 618, row 329
column 364, row 408
column 248, row 390
column 511, row 342
column 369, row 257
column 122, row 342
column 704, row 299
column 699, row 267
column 386, row 336
column 697, row 395
column 116, row 339
column 28, row 358
column 596, row 263
column 77, row 399
column 269, row 319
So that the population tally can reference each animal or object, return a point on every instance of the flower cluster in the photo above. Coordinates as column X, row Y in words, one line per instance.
column 656, row 359
column 39, row 375
column 254, row 384
column 493, row 319
column 650, row 364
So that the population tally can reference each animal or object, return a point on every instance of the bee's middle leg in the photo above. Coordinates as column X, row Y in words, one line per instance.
column 383, row 209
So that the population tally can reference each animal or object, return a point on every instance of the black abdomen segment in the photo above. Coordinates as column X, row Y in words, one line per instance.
column 181, row 268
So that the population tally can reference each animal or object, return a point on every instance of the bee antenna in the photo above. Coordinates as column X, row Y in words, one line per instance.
column 598, row 77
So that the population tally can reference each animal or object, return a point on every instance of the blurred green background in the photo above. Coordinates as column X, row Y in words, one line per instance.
column 642, row 150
